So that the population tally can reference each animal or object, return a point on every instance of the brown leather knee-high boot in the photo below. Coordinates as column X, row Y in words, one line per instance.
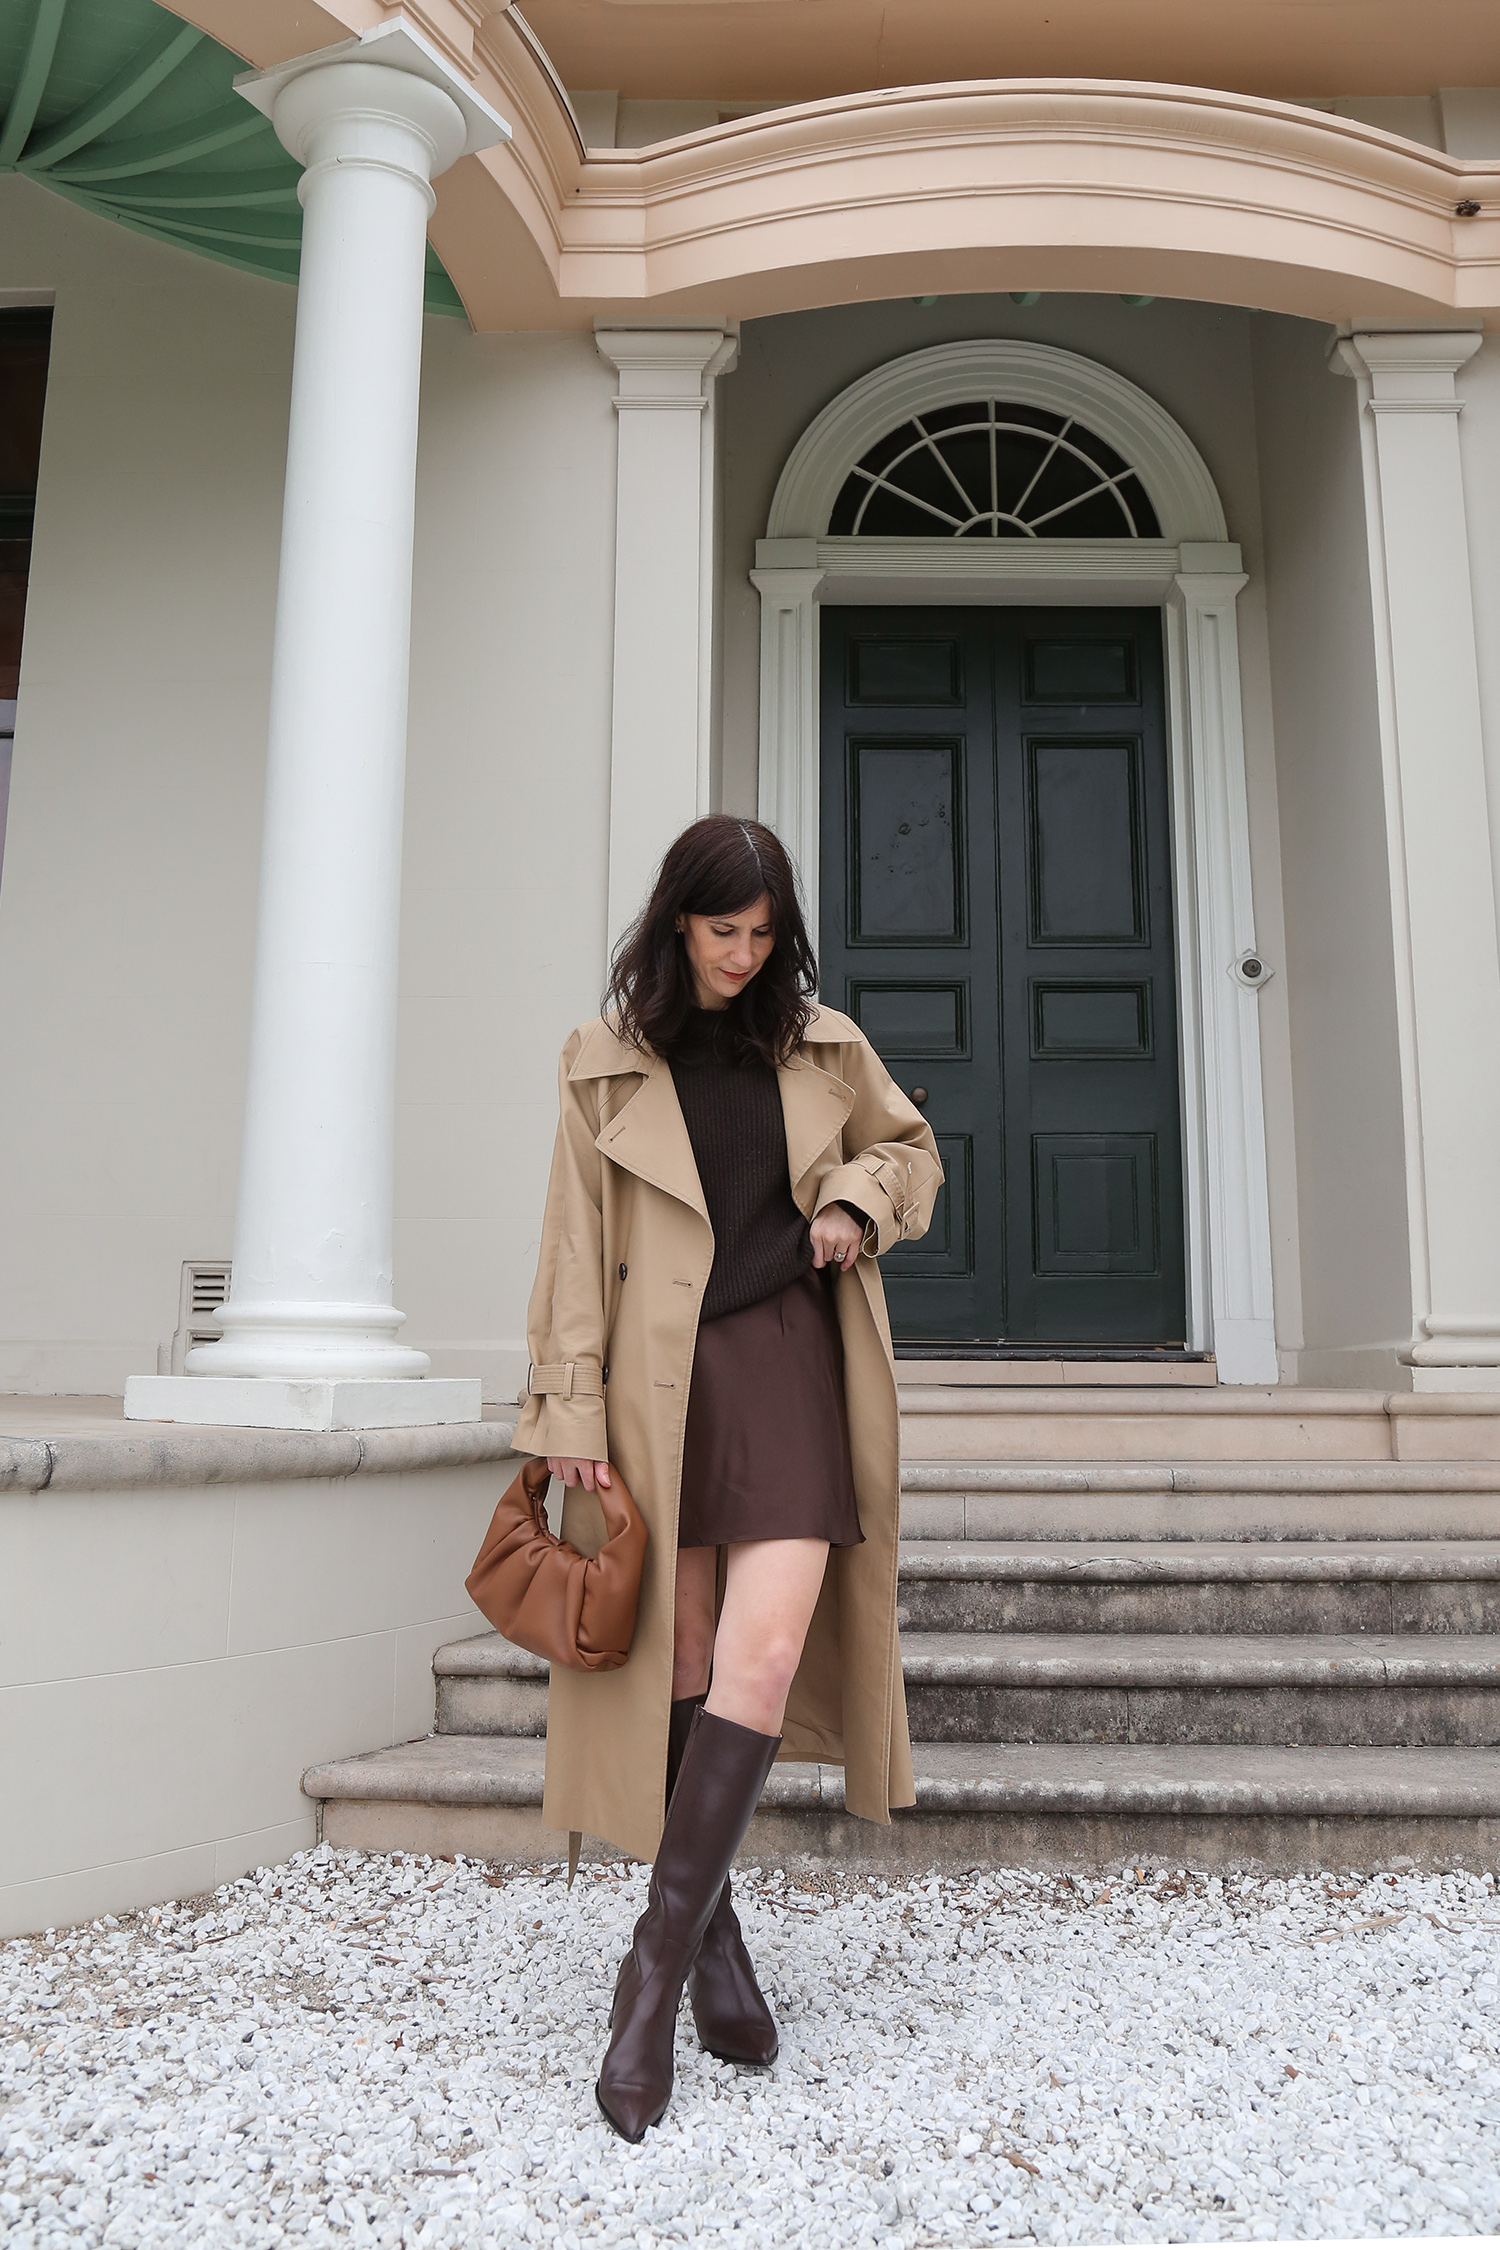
column 729, row 2008
column 724, row 1767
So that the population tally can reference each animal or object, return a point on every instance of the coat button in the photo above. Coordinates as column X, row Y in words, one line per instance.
column 624, row 1269
column 604, row 1372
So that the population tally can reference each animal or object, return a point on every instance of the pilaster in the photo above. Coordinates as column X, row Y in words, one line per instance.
column 1442, row 871
column 661, row 733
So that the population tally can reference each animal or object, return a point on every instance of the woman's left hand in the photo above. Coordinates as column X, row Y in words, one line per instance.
column 836, row 1239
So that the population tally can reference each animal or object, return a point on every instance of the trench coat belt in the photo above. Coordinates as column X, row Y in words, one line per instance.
column 568, row 1378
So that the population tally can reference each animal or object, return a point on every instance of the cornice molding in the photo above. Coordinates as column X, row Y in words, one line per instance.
column 1217, row 183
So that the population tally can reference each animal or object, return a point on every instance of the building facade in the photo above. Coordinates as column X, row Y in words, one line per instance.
column 1048, row 475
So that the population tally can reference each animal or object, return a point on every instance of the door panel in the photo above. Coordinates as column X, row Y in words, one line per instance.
column 1083, row 803
column 996, row 889
column 906, row 783
column 1094, row 1203
column 907, row 872
column 911, row 1019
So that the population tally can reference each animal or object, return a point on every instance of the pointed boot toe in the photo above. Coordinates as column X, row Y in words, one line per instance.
column 631, row 2110
column 635, row 2077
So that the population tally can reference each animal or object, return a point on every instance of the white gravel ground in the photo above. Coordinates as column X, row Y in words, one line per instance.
column 403, row 2051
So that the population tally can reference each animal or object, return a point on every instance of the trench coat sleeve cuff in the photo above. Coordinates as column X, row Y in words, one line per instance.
column 859, row 1188
column 574, row 1427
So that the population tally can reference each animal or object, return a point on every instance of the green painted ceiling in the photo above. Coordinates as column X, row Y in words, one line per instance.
column 122, row 107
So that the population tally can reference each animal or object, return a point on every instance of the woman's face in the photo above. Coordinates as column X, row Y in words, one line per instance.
column 726, row 950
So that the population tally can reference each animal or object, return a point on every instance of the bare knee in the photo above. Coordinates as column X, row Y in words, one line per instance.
column 756, row 1679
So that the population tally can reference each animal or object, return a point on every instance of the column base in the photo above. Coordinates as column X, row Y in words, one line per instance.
column 269, row 1402
column 1245, row 1352
column 1455, row 1378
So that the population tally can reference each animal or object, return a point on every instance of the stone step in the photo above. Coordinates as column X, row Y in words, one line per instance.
column 976, row 1422
column 1173, row 1500
column 488, row 1686
column 1410, row 1689
column 1201, row 1586
column 1146, row 1372
column 1061, row 1805
column 1333, row 1689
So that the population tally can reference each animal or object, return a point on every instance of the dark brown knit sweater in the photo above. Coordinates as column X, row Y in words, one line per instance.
column 735, row 1123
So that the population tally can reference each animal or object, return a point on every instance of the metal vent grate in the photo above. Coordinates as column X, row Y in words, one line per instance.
column 208, row 1288
column 204, row 1290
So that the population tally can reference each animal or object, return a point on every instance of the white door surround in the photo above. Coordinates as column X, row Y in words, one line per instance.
column 1193, row 573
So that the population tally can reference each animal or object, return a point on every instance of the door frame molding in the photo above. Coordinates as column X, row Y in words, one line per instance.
column 1193, row 574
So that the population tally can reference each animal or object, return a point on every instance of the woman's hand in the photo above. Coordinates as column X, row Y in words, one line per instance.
column 836, row 1239
column 568, row 1469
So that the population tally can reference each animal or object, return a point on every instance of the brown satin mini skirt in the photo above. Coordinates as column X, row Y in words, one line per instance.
column 766, row 1455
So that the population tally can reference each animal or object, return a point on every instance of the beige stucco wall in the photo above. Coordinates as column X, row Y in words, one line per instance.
column 127, row 895
column 1341, row 983
column 1194, row 359
column 159, row 1708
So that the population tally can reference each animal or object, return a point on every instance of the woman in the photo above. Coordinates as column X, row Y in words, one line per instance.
column 708, row 1316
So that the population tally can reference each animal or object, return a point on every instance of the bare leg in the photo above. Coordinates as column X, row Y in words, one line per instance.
column 769, row 1598
column 693, row 1620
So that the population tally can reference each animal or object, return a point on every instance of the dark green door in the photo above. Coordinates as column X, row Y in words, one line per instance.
column 997, row 916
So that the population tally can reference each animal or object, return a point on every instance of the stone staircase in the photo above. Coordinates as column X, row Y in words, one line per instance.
column 1179, row 1624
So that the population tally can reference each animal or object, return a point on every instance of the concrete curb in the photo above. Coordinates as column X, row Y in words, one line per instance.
column 120, row 1460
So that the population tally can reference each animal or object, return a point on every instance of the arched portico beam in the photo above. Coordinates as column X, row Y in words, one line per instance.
column 1050, row 184
column 1149, row 189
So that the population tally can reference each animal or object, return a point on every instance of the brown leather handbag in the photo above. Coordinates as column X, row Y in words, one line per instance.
column 544, row 1595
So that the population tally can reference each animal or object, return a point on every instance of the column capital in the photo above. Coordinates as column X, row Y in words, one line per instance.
column 787, row 554
column 346, row 81
column 1209, row 571
column 1409, row 371
column 665, row 368
column 786, row 587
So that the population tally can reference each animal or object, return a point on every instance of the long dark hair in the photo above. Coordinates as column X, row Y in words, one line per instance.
column 718, row 866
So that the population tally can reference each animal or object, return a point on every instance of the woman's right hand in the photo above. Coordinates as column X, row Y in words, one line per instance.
column 570, row 1470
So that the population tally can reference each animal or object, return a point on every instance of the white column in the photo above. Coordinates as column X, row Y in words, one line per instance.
column 1438, row 839
column 787, row 580
column 1225, row 1137
column 661, row 737
column 310, row 1327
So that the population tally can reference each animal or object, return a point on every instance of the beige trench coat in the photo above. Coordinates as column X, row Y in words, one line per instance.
column 625, row 1258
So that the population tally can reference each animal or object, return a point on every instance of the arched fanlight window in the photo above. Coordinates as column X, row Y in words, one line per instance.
column 993, row 470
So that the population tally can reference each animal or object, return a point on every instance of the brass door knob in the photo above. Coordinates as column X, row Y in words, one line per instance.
column 919, row 1096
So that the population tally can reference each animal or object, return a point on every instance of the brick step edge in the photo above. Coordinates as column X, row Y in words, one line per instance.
column 1341, row 1661
column 1206, row 1477
column 1201, row 1660
column 1179, row 1402
column 995, row 1778
column 1198, row 1562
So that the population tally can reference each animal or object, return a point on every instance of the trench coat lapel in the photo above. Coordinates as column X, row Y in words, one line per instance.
column 649, row 1137
column 815, row 1103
